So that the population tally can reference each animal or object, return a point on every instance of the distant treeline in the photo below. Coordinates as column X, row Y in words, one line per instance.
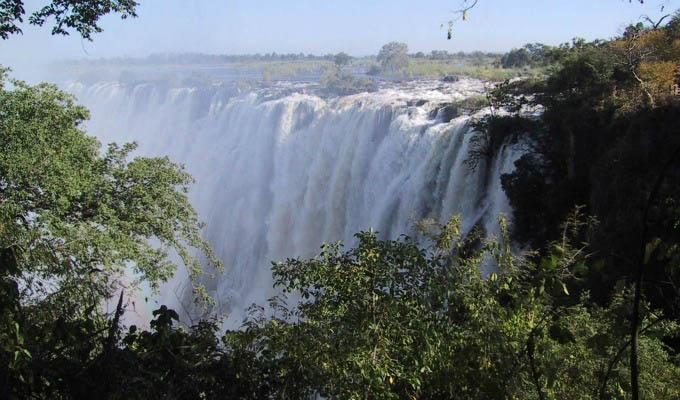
column 531, row 55
column 198, row 58
column 445, row 55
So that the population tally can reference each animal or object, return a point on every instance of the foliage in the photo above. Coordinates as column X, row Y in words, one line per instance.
column 503, row 124
column 283, row 69
column 599, row 137
column 651, row 56
column 166, row 361
column 532, row 54
column 472, row 104
column 388, row 319
column 344, row 84
column 81, row 15
column 608, row 128
column 394, row 57
column 342, row 60
column 385, row 319
column 484, row 70
column 73, row 224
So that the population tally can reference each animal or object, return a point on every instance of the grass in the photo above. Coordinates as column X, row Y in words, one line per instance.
column 424, row 68
column 284, row 69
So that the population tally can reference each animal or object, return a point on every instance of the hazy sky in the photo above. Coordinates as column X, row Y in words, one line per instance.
column 358, row 27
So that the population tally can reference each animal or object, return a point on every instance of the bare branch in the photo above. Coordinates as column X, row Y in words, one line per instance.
column 655, row 25
column 461, row 13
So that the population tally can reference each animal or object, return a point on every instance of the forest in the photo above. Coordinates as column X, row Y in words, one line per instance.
column 582, row 301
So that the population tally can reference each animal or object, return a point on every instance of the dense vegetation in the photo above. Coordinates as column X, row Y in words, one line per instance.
column 606, row 139
column 590, row 310
column 75, row 229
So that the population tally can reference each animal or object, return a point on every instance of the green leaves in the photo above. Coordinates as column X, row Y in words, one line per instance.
column 71, row 210
column 393, row 56
column 387, row 319
column 81, row 15
column 392, row 320
column 76, row 224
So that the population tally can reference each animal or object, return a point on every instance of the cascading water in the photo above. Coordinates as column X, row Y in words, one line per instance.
column 279, row 171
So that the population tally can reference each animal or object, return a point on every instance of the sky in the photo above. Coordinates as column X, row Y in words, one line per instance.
column 358, row 27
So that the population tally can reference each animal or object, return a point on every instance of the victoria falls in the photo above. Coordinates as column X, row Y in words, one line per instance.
column 470, row 199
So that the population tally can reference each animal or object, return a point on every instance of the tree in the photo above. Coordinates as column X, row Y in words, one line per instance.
column 341, row 60
column 651, row 55
column 532, row 55
column 391, row 320
column 598, row 103
column 76, row 227
column 394, row 56
column 81, row 15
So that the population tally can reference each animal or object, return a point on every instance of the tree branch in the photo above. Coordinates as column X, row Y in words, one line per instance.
column 616, row 358
column 634, row 372
column 110, row 341
column 655, row 25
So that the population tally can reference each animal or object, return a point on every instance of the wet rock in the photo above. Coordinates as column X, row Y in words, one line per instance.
column 416, row 103
column 449, row 112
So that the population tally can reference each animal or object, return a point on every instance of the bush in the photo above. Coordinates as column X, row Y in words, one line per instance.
column 346, row 84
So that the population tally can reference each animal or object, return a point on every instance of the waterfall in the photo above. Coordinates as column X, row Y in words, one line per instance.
column 280, row 170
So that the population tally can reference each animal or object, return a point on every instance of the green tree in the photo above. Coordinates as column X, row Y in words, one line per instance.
column 394, row 56
column 598, row 103
column 516, row 58
column 81, row 15
column 390, row 320
column 342, row 60
column 76, row 226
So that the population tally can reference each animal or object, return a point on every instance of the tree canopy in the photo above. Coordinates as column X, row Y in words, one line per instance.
column 606, row 127
column 78, row 226
column 341, row 60
column 393, row 56
column 80, row 15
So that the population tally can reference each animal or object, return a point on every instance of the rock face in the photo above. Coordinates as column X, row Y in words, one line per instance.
column 450, row 112
column 416, row 103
